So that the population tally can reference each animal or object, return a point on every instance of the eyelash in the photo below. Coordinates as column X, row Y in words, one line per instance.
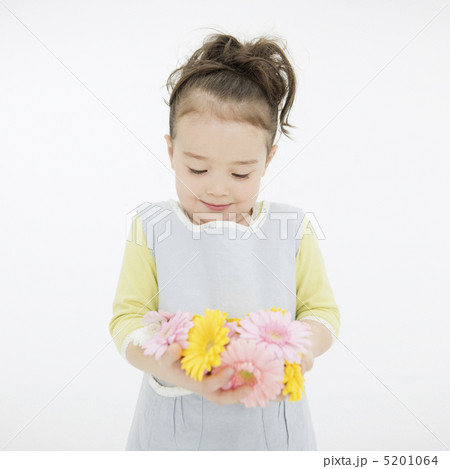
column 239, row 176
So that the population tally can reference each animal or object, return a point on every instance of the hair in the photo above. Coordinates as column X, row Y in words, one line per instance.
column 251, row 82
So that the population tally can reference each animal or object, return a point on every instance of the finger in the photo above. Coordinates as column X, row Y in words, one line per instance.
column 173, row 353
column 217, row 380
column 233, row 396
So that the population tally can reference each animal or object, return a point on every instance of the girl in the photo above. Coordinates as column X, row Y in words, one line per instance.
column 218, row 248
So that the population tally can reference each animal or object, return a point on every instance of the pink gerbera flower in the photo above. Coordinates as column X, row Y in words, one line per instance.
column 282, row 336
column 254, row 366
column 173, row 329
column 156, row 317
column 233, row 327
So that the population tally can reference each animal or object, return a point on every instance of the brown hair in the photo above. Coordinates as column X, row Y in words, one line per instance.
column 243, row 82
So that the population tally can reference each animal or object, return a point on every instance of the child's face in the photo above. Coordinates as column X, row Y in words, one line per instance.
column 222, row 143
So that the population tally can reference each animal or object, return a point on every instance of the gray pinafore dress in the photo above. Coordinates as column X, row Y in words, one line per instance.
column 237, row 269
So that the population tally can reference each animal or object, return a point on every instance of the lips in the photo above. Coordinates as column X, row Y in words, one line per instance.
column 216, row 207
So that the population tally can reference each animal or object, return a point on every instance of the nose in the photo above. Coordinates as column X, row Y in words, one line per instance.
column 218, row 187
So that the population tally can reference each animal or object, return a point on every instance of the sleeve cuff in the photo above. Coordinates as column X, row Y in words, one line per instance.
column 138, row 337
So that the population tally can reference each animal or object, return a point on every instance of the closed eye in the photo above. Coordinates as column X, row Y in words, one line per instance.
column 241, row 176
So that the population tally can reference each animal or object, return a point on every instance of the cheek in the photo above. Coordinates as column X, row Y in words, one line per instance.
column 188, row 180
column 252, row 184
column 247, row 189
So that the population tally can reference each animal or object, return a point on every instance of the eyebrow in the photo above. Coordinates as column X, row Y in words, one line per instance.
column 199, row 157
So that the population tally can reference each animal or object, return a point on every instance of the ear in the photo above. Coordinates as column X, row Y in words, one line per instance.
column 169, row 148
column 271, row 155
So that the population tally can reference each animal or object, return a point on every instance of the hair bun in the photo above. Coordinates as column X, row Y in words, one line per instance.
column 234, row 71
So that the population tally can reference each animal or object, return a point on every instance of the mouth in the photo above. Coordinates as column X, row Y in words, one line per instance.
column 216, row 207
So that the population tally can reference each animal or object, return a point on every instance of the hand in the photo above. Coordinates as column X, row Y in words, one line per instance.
column 168, row 368
column 307, row 361
column 281, row 398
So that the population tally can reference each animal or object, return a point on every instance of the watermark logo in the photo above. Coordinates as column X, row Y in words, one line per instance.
column 144, row 221
column 149, row 224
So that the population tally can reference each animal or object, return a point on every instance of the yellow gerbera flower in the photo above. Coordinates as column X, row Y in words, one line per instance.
column 293, row 380
column 207, row 340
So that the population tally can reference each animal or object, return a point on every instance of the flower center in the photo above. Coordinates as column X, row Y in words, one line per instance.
column 275, row 334
column 246, row 373
column 209, row 344
column 246, row 377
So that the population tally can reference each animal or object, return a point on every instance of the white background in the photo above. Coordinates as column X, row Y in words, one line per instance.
column 82, row 123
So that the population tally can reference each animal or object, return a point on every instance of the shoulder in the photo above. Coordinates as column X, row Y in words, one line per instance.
column 150, row 218
column 282, row 207
column 153, row 211
column 153, row 215
column 289, row 219
column 293, row 214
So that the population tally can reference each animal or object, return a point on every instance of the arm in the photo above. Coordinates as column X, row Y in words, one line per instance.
column 167, row 368
column 315, row 300
column 321, row 342
column 137, row 293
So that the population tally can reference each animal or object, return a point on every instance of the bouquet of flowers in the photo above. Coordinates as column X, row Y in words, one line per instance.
column 264, row 348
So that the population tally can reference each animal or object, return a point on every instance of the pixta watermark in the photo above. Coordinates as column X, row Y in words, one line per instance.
column 150, row 224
